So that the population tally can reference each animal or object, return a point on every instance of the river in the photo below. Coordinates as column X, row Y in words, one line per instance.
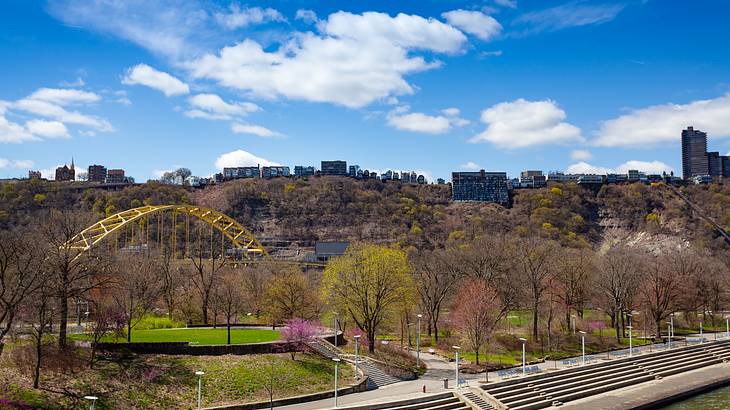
column 714, row 400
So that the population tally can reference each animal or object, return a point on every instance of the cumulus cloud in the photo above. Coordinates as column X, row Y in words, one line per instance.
column 523, row 123
column 307, row 16
column 572, row 14
column 47, row 129
column 480, row 25
column 142, row 74
column 64, row 96
column 581, row 155
column 401, row 119
column 15, row 163
column 253, row 129
column 649, row 167
column 663, row 123
column 471, row 166
column 238, row 17
column 11, row 132
column 354, row 60
column 213, row 107
column 241, row 158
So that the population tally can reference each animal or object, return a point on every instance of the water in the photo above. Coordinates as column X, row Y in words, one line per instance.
column 714, row 400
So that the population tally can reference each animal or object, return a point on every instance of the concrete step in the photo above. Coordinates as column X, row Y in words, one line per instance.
column 478, row 401
column 581, row 393
column 376, row 377
column 427, row 404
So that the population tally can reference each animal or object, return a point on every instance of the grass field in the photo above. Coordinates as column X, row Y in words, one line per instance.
column 199, row 336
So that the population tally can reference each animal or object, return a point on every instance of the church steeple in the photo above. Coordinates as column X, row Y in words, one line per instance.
column 72, row 162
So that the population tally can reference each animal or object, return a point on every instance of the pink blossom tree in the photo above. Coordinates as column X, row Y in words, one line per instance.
column 297, row 333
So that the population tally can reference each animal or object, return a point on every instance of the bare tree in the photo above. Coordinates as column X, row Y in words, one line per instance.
column 477, row 311
column 207, row 268
column 618, row 277
column 171, row 278
column 135, row 289
column 436, row 277
column 289, row 294
column 534, row 257
column 229, row 295
column 574, row 276
column 38, row 312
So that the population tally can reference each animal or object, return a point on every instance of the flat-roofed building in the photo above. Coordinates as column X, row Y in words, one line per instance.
column 694, row 153
column 334, row 168
column 480, row 186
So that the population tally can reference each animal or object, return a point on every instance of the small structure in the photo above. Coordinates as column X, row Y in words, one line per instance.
column 324, row 251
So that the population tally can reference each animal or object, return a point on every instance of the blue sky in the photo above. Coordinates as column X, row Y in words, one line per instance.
column 435, row 86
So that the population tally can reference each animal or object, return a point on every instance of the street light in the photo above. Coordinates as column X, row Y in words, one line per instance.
column 727, row 327
column 671, row 322
column 92, row 399
column 524, row 368
column 457, row 348
column 335, row 328
column 583, row 344
column 631, row 343
column 200, row 387
column 573, row 320
column 357, row 354
column 418, row 342
column 669, row 333
column 337, row 364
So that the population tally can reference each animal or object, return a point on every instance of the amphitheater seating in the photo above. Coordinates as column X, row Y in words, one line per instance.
column 554, row 388
column 441, row 401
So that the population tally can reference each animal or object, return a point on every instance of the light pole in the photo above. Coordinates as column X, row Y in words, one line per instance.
column 418, row 342
column 671, row 322
column 583, row 344
column 200, row 387
column 457, row 348
column 357, row 355
column 631, row 343
column 702, row 339
column 573, row 320
column 524, row 362
column 335, row 328
column 92, row 399
column 669, row 333
column 337, row 365
column 727, row 327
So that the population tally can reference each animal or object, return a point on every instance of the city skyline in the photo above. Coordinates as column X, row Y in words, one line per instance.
column 438, row 88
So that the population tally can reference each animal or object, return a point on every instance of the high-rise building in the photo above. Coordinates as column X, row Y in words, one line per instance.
column 336, row 168
column 714, row 164
column 480, row 186
column 115, row 176
column 66, row 173
column 725, row 165
column 97, row 173
column 303, row 171
column 694, row 153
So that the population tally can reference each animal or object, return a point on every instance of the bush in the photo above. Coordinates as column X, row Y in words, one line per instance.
column 158, row 322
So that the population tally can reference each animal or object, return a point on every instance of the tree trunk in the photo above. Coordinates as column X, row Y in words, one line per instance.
column 129, row 330
column 38, row 355
column 616, row 328
column 371, row 338
column 534, row 319
column 64, row 320
column 435, row 332
column 228, row 324
column 205, row 310
column 477, row 359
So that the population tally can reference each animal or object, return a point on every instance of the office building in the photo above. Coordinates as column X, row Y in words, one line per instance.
column 241, row 172
column 66, row 173
column 532, row 179
column 714, row 164
column 34, row 174
column 273, row 172
column 480, row 186
column 725, row 165
column 97, row 173
column 334, row 168
column 303, row 171
column 694, row 153
column 115, row 176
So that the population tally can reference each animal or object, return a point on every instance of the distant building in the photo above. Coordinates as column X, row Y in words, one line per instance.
column 34, row 174
column 590, row 179
column 440, row 181
column 421, row 180
column 694, row 153
column 65, row 173
column 701, row 179
column 324, row 251
column 714, row 164
column 97, row 173
column 532, row 179
column 276, row 171
column 303, row 171
column 480, row 186
column 115, row 176
column 352, row 172
column 241, row 172
column 335, row 168
column 725, row 161
column 560, row 177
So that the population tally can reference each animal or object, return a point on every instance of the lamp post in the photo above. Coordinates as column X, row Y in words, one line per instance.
column 671, row 322
column 457, row 348
column 524, row 362
column 583, row 345
column 357, row 355
column 418, row 341
column 335, row 328
column 200, row 387
column 337, row 365
column 702, row 339
column 92, row 399
column 573, row 320
column 669, row 334
column 631, row 343
column 727, row 327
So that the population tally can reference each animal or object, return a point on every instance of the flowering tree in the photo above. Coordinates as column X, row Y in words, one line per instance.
column 476, row 313
column 297, row 333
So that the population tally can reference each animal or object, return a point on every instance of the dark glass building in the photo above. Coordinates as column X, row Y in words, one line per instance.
column 480, row 186
column 694, row 153
column 336, row 168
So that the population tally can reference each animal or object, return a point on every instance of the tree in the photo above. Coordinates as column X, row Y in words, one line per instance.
column 435, row 275
column 297, row 334
column 574, row 275
column 171, row 278
column 476, row 313
column 38, row 312
column 366, row 282
column 229, row 295
column 289, row 295
column 107, row 318
column 207, row 265
column 618, row 277
column 135, row 289
column 19, row 274
column 534, row 257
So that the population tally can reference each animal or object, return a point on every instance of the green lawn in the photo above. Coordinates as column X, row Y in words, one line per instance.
column 199, row 336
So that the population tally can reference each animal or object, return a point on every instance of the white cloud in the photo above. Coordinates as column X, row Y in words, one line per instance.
column 79, row 82
column 12, row 132
column 143, row 74
column 213, row 107
column 664, row 123
column 57, row 112
column 649, row 167
column 253, row 129
column 47, row 129
column 121, row 97
column 523, row 123
column 307, row 16
column 243, row 17
column 482, row 26
column 64, row 96
column 507, row 3
column 401, row 119
column 495, row 53
column 572, row 14
column 241, row 158
column 15, row 163
column 353, row 61
column 471, row 166
column 581, row 155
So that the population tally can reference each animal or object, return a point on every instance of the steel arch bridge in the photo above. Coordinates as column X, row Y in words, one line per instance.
column 239, row 236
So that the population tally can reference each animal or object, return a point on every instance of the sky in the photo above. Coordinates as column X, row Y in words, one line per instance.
column 433, row 86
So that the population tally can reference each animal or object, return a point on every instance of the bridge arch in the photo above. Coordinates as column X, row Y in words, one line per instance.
column 239, row 236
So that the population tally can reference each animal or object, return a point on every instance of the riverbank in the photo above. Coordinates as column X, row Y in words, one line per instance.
column 659, row 393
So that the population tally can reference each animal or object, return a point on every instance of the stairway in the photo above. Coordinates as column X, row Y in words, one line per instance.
column 322, row 348
column 376, row 377
column 441, row 401
column 477, row 401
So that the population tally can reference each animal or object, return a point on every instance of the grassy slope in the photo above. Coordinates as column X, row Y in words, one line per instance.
column 199, row 336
